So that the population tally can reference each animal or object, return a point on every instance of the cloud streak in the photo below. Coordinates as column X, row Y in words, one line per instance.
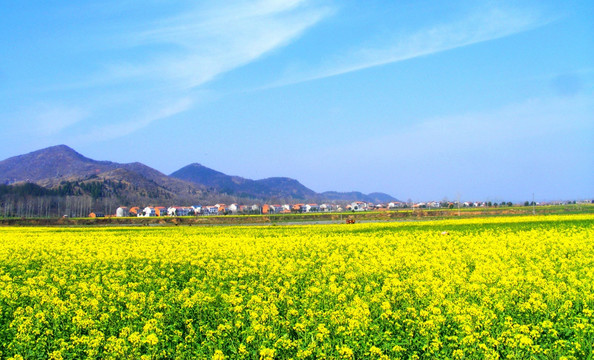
column 196, row 48
column 484, row 25
column 205, row 43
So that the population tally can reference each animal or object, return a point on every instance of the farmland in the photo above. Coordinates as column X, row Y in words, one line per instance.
column 501, row 287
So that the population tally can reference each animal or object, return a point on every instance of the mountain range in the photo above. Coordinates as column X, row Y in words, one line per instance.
column 60, row 166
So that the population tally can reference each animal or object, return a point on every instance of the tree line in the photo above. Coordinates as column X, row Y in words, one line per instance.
column 69, row 198
column 80, row 198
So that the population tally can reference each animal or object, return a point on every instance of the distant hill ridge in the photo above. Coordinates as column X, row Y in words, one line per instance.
column 275, row 187
column 53, row 165
column 56, row 162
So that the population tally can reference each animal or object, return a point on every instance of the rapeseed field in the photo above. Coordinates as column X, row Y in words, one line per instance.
column 490, row 288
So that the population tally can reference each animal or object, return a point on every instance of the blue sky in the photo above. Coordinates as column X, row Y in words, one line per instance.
column 423, row 100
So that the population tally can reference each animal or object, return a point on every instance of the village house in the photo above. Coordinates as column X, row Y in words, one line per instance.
column 147, row 212
column 325, row 207
column 180, row 211
column 276, row 209
column 122, row 211
column 233, row 208
column 395, row 204
column 185, row 211
column 211, row 210
column 222, row 208
column 359, row 206
column 312, row 208
column 380, row 207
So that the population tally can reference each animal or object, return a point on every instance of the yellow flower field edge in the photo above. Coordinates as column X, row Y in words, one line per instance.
column 481, row 288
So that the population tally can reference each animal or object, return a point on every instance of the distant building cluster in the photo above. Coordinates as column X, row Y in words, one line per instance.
column 267, row 209
column 236, row 209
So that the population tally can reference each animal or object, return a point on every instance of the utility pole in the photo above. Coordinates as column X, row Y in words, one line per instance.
column 533, row 205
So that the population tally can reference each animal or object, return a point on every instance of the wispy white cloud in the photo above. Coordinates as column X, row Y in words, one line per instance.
column 184, row 52
column 194, row 48
column 204, row 43
column 484, row 25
